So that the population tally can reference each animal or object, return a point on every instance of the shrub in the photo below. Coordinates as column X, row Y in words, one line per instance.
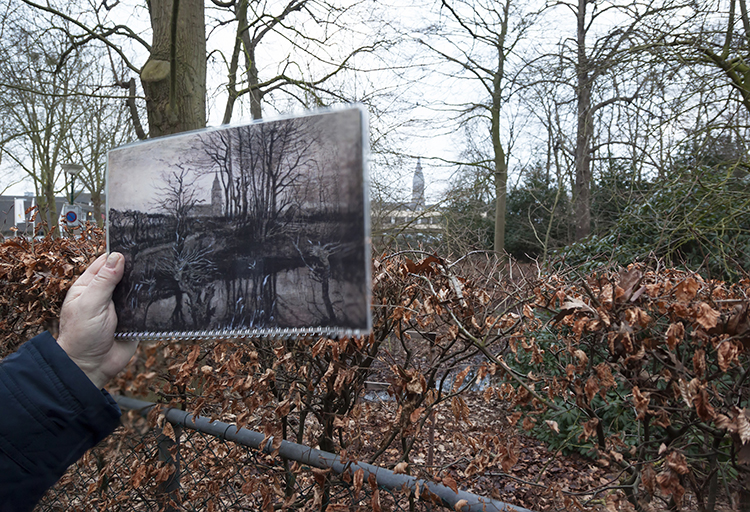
column 647, row 371
column 35, row 275
column 693, row 220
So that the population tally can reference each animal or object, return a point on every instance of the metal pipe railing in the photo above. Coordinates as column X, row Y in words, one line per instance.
column 323, row 460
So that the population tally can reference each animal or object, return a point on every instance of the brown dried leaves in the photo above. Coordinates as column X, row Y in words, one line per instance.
column 34, row 278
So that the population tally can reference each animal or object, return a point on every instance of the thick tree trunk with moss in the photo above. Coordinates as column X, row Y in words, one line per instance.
column 174, row 77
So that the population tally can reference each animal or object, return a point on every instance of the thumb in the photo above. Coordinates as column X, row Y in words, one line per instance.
column 101, row 287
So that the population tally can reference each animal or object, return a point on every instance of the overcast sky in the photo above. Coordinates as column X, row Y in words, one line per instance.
column 411, row 97
column 415, row 132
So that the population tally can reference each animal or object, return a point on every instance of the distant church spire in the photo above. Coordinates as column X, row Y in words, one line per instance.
column 417, row 188
column 216, row 197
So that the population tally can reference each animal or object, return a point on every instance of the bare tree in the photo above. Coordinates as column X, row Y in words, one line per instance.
column 310, row 30
column 600, row 51
column 178, row 199
column 56, row 109
column 481, row 39
column 104, row 125
column 40, row 106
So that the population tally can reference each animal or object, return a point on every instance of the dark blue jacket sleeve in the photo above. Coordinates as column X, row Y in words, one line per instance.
column 50, row 414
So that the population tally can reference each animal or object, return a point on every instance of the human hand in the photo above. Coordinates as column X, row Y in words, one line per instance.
column 88, row 321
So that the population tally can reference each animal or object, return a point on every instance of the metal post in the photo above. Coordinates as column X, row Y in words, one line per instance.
column 169, row 453
column 322, row 460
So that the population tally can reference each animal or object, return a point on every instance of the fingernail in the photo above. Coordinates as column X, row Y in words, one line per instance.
column 112, row 260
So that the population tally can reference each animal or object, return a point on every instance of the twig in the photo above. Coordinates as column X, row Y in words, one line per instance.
column 482, row 348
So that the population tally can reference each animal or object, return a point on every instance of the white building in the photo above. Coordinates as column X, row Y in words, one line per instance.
column 410, row 221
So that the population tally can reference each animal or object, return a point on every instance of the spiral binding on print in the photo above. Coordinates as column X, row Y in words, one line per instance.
column 271, row 333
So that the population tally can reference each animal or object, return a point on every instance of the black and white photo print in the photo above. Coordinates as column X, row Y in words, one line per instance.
column 244, row 230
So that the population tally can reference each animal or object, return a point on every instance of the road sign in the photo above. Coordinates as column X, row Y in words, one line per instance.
column 72, row 215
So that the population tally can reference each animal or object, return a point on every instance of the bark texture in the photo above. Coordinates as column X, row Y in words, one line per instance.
column 174, row 77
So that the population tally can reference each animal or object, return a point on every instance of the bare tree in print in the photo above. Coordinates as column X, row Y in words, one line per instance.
column 261, row 167
column 283, row 153
column 184, row 269
column 178, row 199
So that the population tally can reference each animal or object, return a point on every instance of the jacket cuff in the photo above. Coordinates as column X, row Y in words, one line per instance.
column 52, row 414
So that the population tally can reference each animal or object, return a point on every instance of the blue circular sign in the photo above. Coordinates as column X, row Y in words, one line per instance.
column 71, row 217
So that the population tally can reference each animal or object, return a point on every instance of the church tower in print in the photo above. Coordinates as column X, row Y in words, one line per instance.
column 216, row 197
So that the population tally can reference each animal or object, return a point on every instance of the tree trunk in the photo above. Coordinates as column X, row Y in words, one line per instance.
column 47, row 205
column 500, row 163
column 241, row 15
column 582, row 190
column 96, row 201
column 501, row 180
column 251, row 68
column 174, row 77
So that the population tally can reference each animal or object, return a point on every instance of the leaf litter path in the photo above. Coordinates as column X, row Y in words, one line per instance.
column 535, row 477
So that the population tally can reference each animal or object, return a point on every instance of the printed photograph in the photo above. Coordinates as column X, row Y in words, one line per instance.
column 251, row 227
